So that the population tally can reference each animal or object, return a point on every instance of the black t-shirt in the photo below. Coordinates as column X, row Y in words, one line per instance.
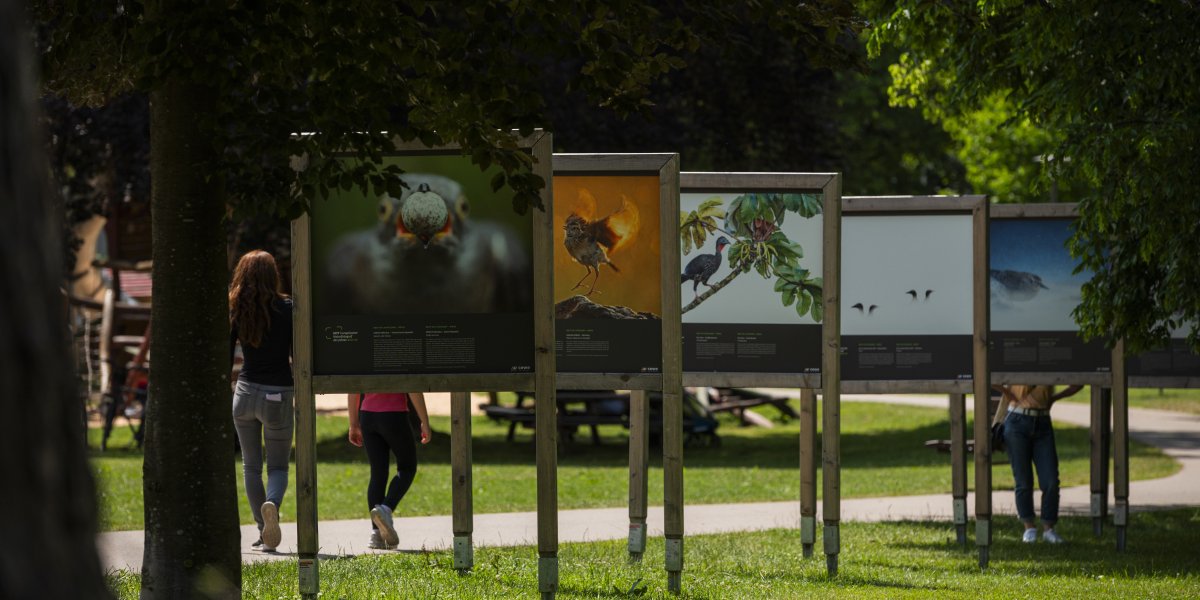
column 268, row 364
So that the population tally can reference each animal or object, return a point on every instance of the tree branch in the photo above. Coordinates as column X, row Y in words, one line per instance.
column 711, row 290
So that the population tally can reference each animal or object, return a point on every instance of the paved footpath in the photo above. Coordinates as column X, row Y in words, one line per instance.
column 1178, row 435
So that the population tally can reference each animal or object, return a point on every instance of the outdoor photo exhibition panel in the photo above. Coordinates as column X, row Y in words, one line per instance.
column 1034, row 339
column 759, row 280
column 442, row 288
column 1172, row 366
column 616, row 306
column 914, row 306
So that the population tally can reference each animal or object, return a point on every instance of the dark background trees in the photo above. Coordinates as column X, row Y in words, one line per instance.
column 48, row 508
column 228, row 86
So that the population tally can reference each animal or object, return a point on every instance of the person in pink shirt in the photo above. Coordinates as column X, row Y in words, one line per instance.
column 380, row 424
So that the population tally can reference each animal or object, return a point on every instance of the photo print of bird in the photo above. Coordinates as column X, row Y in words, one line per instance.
column 869, row 310
column 703, row 266
column 915, row 294
column 590, row 241
column 1018, row 285
column 427, row 255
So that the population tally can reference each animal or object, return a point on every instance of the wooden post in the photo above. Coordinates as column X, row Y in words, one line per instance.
column 672, row 376
column 462, row 509
column 306, row 415
column 545, row 406
column 831, row 378
column 808, row 470
column 982, row 379
column 958, row 464
column 1120, row 408
column 1099, row 440
column 639, row 466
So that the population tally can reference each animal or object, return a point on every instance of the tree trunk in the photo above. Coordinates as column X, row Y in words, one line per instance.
column 48, row 506
column 192, row 536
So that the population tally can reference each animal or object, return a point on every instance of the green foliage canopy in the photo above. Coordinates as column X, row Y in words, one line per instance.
column 1115, row 86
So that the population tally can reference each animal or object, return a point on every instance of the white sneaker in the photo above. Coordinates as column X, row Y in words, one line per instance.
column 1051, row 537
column 1030, row 536
column 376, row 542
column 381, row 515
column 270, row 531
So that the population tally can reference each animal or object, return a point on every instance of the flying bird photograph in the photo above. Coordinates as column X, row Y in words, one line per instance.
column 893, row 264
column 606, row 246
column 432, row 249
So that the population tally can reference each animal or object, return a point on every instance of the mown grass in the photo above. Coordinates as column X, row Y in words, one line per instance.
column 882, row 454
column 878, row 560
column 1178, row 400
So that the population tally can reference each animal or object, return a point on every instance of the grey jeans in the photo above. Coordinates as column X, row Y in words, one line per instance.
column 263, row 413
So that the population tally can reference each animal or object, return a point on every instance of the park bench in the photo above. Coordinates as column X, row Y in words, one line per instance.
column 599, row 407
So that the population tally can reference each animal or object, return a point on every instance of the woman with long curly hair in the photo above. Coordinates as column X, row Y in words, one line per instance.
column 260, row 317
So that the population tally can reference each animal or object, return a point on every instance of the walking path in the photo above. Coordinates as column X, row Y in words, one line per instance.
column 1176, row 434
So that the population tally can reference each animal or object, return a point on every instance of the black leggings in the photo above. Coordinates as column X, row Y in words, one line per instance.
column 385, row 432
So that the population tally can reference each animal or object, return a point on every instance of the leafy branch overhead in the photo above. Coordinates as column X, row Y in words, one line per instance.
column 753, row 224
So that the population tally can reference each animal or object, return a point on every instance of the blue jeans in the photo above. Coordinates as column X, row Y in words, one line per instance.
column 1031, row 440
column 262, row 416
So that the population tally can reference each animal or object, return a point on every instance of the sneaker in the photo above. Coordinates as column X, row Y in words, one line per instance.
column 1030, row 536
column 258, row 543
column 1051, row 537
column 381, row 515
column 376, row 542
column 270, row 531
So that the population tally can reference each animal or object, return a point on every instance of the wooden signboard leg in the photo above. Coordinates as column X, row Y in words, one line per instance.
column 983, row 474
column 672, row 444
column 958, row 464
column 639, row 465
column 1120, row 411
column 1099, row 440
column 808, row 470
column 831, row 497
column 545, row 435
column 462, row 508
column 306, row 489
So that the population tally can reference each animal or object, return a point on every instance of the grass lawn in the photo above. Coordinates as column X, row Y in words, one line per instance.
column 882, row 453
column 1179, row 400
column 878, row 560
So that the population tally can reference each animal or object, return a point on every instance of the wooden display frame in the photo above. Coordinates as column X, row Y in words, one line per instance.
column 669, row 381
column 541, row 380
column 830, row 187
column 978, row 207
column 1110, row 400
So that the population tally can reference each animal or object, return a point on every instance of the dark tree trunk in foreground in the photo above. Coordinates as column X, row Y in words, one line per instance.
column 48, row 506
column 192, row 536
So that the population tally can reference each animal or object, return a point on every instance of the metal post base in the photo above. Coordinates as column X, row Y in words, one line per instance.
column 1121, row 538
column 983, row 539
column 807, row 549
column 309, row 579
column 637, row 541
column 1121, row 520
column 674, row 564
column 831, row 534
column 548, row 575
column 464, row 553
column 960, row 534
column 831, row 564
column 1097, row 526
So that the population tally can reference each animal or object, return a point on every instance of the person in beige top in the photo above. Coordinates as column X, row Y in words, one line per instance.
column 1029, row 435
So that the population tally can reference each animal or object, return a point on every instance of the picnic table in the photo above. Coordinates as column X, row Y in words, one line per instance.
column 576, row 408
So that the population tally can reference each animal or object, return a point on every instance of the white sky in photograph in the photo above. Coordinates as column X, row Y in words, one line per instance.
column 750, row 298
column 885, row 256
